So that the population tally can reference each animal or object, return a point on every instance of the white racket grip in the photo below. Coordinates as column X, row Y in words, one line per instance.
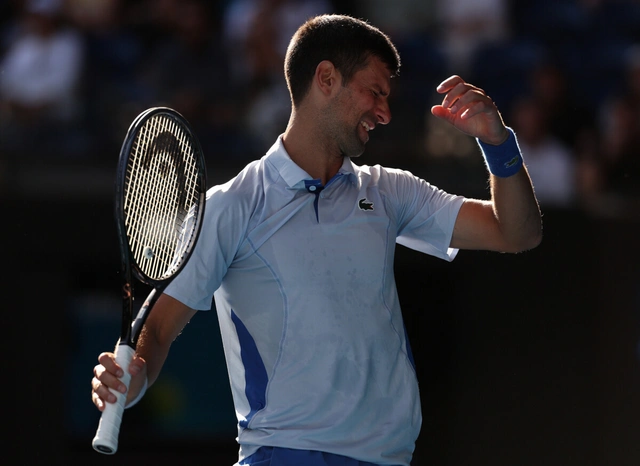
column 106, row 439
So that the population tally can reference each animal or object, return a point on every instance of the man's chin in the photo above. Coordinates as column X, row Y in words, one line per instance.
column 356, row 150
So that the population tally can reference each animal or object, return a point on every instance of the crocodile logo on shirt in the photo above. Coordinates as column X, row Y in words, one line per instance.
column 364, row 204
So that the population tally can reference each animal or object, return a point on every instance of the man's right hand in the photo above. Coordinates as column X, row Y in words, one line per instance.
column 107, row 373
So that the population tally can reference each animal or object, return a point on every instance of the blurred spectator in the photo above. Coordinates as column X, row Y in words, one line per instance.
column 412, row 27
column 401, row 19
column 550, row 163
column 447, row 156
column 113, row 52
column 188, row 70
column 40, row 82
column 441, row 143
column 466, row 25
column 621, row 147
column 246, row 23
column 610, row 162
column 567, row 116
column 589, row 176
column 256, row 35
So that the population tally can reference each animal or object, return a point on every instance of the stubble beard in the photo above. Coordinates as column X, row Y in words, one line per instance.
column 347, row 137
column 352, row 146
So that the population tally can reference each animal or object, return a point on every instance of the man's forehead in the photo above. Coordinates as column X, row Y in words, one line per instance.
column 376, row 70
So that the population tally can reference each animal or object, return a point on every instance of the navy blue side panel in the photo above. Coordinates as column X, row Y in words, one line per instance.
column 409, row 352
column 255, row 373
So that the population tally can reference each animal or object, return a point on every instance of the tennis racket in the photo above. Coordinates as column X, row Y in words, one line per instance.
column 159, row 204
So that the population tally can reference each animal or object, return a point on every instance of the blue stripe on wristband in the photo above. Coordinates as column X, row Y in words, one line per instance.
column 504, row 160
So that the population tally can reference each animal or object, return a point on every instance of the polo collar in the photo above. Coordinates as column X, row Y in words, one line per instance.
column 295, row 176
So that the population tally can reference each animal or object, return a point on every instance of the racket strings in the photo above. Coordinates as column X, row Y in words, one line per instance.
column 161, row 189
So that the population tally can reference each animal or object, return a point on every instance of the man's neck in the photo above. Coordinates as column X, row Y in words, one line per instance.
column 310, row 150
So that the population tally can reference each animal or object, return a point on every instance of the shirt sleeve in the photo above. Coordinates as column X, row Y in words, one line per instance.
column 425, row 215
column 223, row 228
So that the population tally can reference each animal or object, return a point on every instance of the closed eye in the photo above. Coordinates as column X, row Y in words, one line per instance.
column 379, row 93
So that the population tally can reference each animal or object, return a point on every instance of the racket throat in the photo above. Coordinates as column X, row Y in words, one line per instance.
column 127, row 312
column 143, row 313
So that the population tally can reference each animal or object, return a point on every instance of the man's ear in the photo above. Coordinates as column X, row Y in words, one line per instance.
column 327, row 78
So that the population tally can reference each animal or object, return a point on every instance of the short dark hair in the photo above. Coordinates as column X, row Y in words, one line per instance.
column 345, row 41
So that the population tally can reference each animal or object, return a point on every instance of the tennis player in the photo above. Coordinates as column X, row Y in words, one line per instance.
column 298, row 252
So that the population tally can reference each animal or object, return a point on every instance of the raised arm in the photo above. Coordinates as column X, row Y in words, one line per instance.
column 165, row 322
column 511, row 220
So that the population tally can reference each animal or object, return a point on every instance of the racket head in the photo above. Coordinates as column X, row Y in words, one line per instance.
column 160, row 195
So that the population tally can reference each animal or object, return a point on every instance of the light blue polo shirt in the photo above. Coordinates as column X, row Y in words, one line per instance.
column 304, row 289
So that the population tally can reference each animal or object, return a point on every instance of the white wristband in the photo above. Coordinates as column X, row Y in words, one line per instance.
column 143, row 390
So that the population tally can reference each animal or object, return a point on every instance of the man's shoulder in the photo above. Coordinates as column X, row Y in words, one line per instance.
column 380, row 174
column 247, row 178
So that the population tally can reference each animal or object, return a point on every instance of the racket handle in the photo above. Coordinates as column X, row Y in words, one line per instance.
column 106, row 439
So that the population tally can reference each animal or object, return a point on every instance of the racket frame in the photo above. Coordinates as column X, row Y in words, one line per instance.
column 130, row 330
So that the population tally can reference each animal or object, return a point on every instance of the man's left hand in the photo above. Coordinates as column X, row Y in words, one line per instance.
column 470, row 110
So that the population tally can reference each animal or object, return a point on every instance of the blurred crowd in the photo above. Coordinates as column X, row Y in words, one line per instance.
column 565, row 74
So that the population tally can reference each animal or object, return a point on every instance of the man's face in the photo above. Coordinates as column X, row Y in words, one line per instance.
column 359, row 106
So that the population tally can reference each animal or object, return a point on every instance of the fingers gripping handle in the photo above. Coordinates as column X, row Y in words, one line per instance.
column 106, row 439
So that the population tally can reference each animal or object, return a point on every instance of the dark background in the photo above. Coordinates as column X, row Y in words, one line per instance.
column 527, row 359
